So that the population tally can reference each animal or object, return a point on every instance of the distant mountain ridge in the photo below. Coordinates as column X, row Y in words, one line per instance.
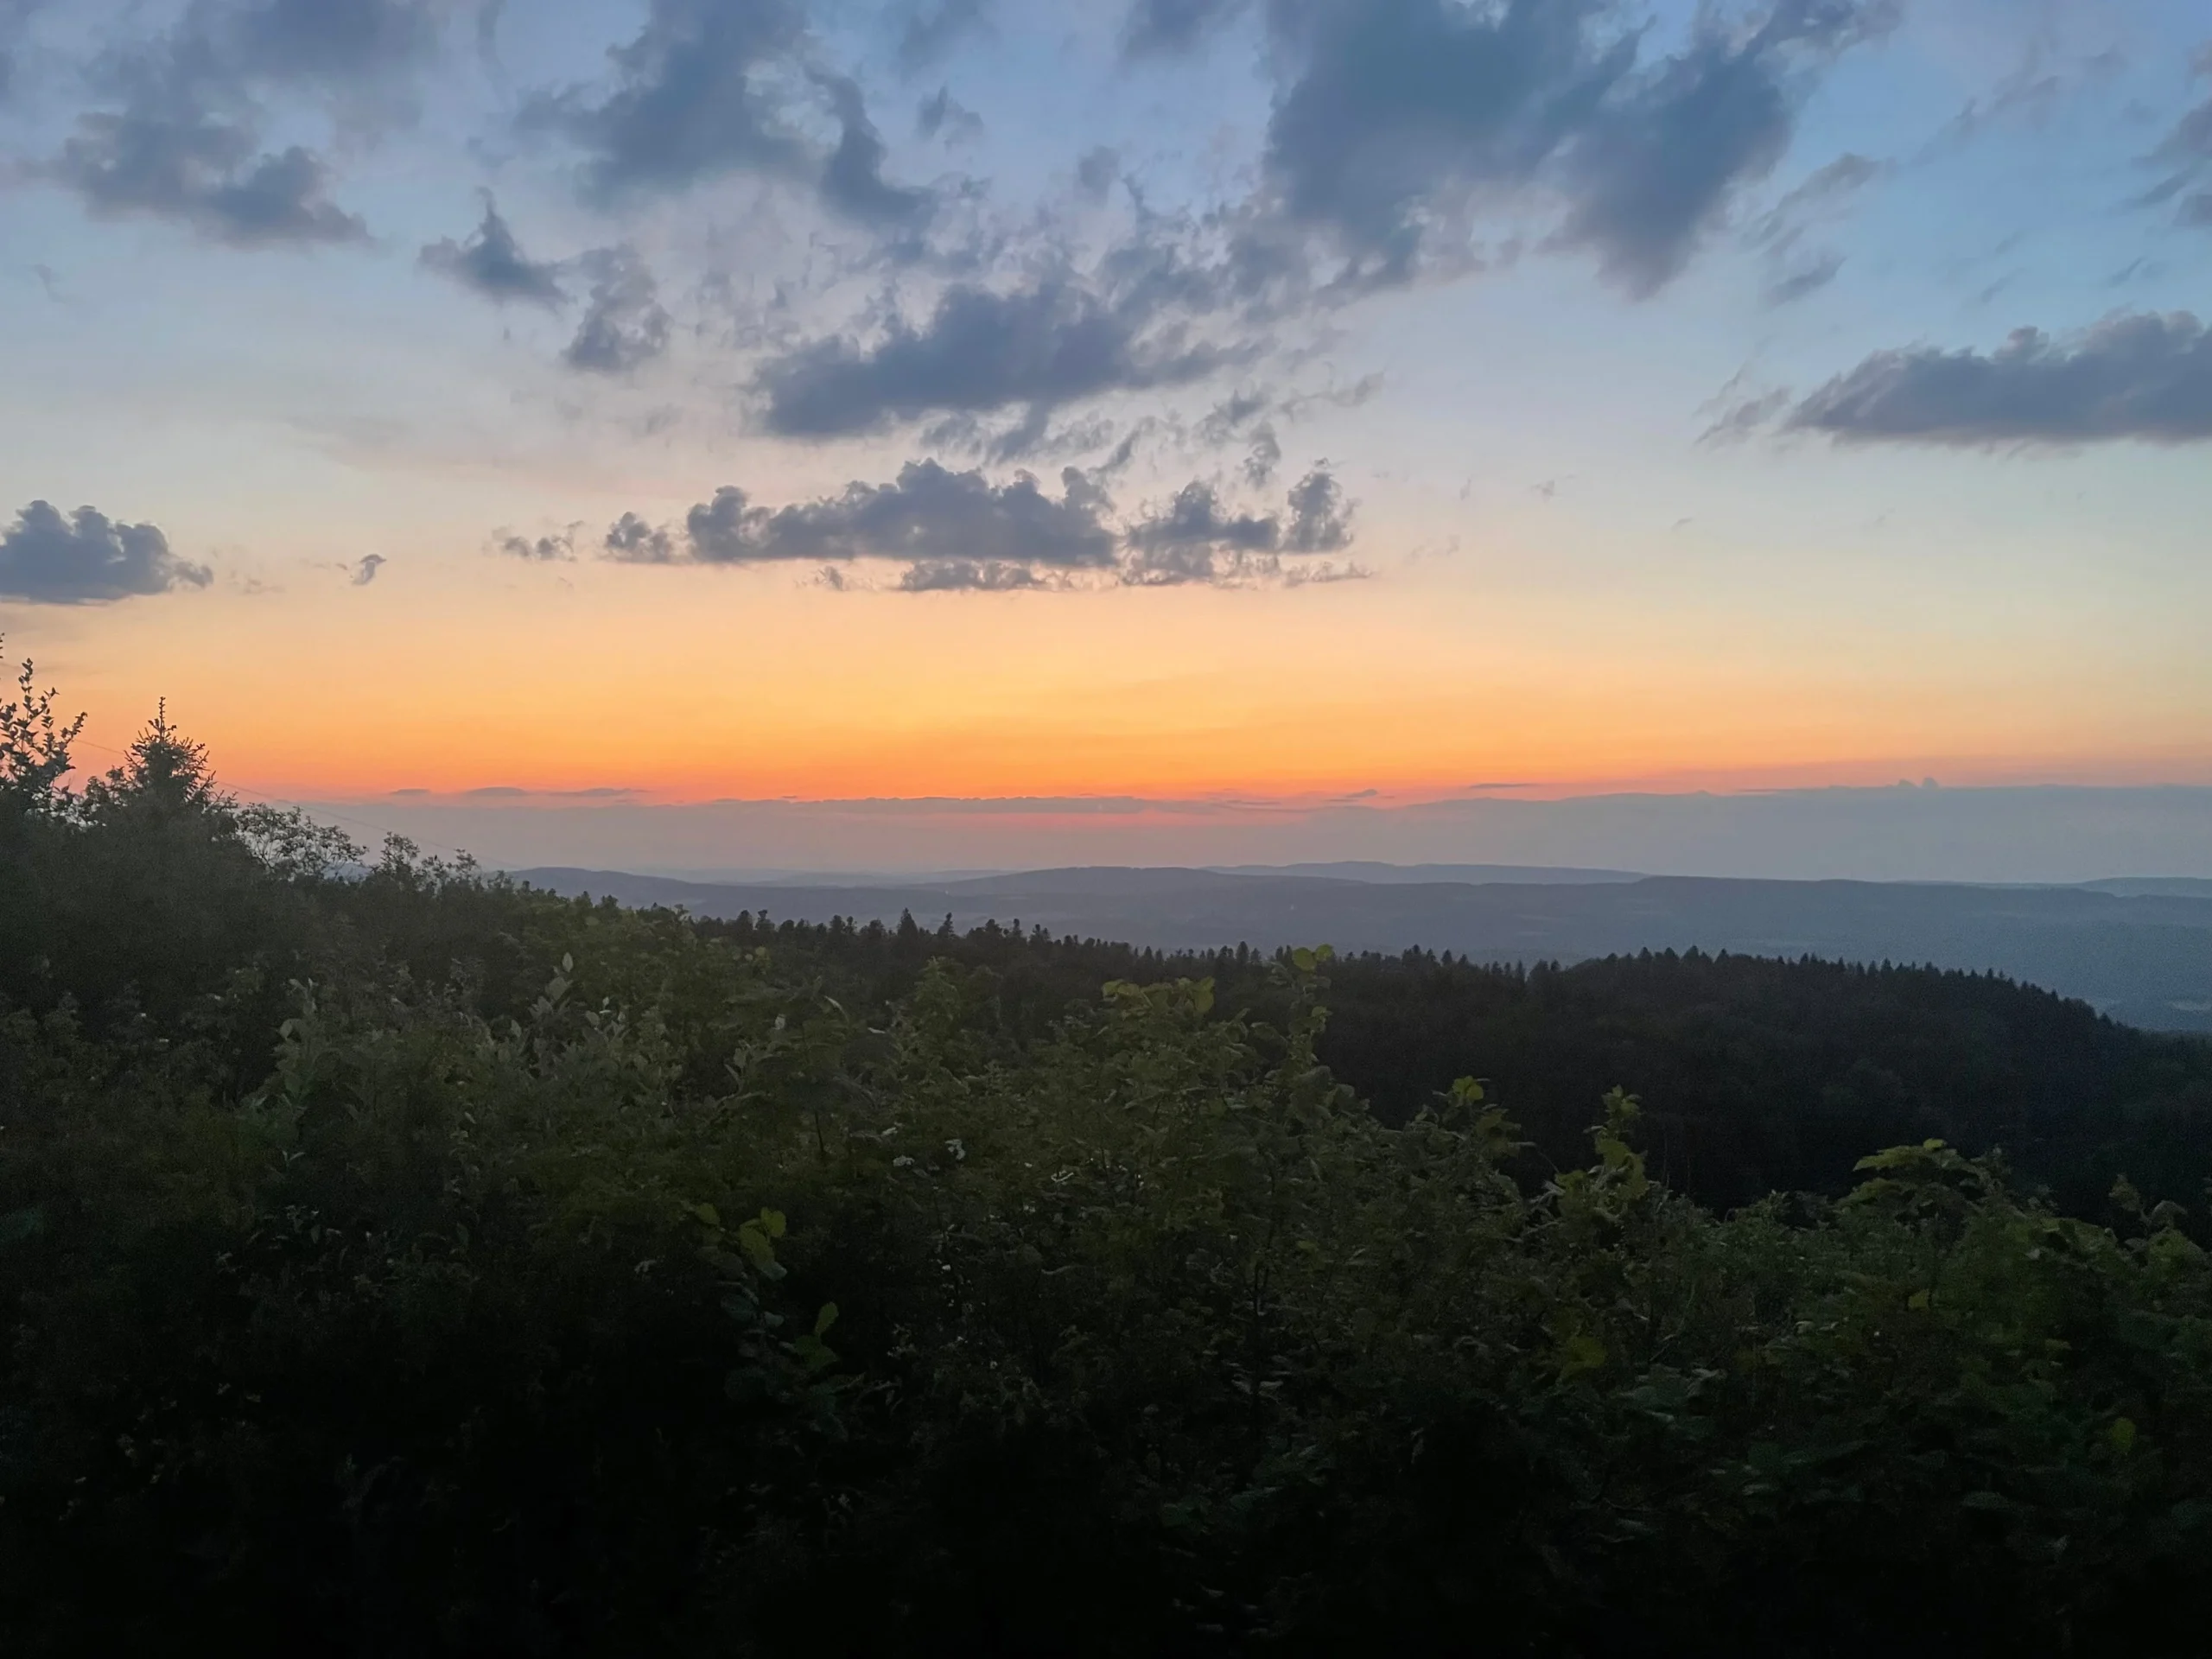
column 2143, row 957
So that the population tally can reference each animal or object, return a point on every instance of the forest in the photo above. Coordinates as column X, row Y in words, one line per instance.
column 396, row 1260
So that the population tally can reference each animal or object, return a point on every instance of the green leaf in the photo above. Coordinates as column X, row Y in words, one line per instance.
column 772, row 1222
column 707, row 1213
column 2122, row 1435
column 825, row 1318
column 1580, row 1352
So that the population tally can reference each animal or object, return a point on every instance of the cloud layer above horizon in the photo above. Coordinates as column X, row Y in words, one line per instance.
column 1716, row 336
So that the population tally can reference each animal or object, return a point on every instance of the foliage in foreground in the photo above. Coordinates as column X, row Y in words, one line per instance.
column 568, row 1282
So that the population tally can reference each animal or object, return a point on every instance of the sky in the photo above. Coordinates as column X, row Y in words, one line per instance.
column 1305, row 402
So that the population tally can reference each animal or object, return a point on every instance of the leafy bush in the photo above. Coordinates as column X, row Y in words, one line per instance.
column 432, row 1267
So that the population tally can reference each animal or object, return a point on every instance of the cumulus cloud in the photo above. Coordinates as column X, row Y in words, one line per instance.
column 2135, row 375
column 1164, row 28
column 928, row 515
column 186, row 141
column 205, row 172
column 1403, row 119
column 553, row 549
column 959, row 531
column 852, row 179
column 492, row 263
column 333, row 40
column 933, row 27
column 709, row 88
column 86, row 558
column 969, row 576
column 978, row 352
column 1195, row 519
column 1196, row 539
column 625, row 325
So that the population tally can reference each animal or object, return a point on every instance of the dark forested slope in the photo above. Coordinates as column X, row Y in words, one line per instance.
column 394, row 1262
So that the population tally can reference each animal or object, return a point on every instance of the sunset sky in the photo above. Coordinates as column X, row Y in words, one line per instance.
column 740, row 399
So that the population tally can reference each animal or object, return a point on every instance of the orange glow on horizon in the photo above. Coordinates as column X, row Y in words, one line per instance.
column 691, row 685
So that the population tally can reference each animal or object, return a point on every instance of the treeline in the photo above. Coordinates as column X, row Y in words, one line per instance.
column 398, row 1262
column 1757, row 1076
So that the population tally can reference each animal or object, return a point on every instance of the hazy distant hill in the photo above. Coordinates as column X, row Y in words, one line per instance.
column 2145, row 958
column 1406, row 875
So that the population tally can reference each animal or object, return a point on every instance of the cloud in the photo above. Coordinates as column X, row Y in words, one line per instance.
column 335, row 39
column 364, row 570
column 940, row 113
column 1195, row 539
column 852, row 179
column 538, row 550
column 186, row 141
column 928, row 515
column 625, row 325
column 631, row 540
column 206, row 173
column 1096, row 172
column 958, row 530
column 933, row 27
column 1165, row 28
column 1320, row 518
column 492, row 263
column 709, row 88
column 1809, row 278
column 979, row 351
column 1194, row 518
column 2135, row 375
column 2187, row 151
column 85, row 558
column 969, row 576
column 1402, row 120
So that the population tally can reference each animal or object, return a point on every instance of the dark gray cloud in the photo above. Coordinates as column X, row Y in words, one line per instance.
column 332, row 39
column 1095, row 175
column 852, row 179
column 2135, row 375
column 1404, row 119
column 207, row 173
column 625, row 325
column 941, row 113
column 365, row 567
column 86, row 558
column 979, row 351
column 492, row 263
column 1164, row 28
column 969, row 576
column 1195, row 519
column 553, row 549
column 631, row 540
column 1196, row 539
column 695, row 97
column 714, row 87
column 929, row 515
column 933, row 27
column 960, row 530
column 1320, row 518
column 185, row 142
